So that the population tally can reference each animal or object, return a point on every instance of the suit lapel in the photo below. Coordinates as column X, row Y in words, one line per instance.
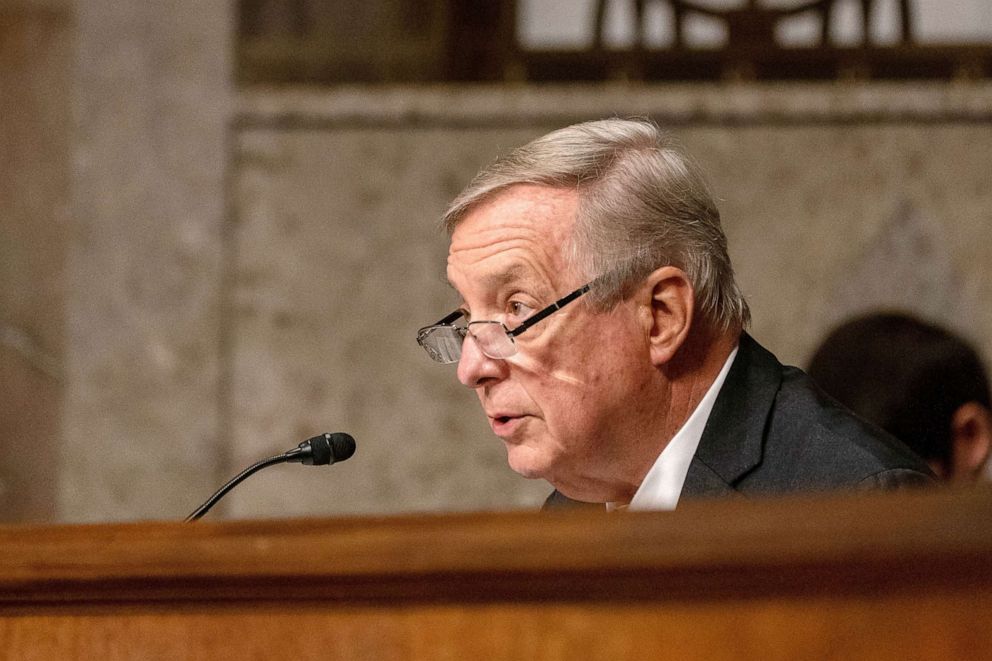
column 703, row 482
column 733, row 440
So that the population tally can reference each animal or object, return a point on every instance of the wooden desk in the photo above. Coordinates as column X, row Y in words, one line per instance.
column 897, row 576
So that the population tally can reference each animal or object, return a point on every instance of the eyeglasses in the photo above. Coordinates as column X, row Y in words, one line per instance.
column 443, row 340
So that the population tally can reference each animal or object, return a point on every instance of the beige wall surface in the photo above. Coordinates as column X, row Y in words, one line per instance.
column 835, row 200
column 151, row 100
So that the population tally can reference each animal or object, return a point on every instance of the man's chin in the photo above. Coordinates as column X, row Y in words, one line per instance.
column 527, row 463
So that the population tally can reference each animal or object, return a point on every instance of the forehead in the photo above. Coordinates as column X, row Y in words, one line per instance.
column 517, row 234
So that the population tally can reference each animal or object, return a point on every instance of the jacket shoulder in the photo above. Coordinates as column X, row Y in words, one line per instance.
column 814, row 443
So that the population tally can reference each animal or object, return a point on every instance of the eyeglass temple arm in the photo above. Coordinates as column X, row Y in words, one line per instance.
column 554, row 307
column 447, row 321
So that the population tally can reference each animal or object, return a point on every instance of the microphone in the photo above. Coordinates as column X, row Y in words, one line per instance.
column 322, row 450
column 317, row 451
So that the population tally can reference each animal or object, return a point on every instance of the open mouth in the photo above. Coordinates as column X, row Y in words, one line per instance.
column 504, row 424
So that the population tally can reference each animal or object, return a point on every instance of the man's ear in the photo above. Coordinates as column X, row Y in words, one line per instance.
column 672, row 304
column 971, row 441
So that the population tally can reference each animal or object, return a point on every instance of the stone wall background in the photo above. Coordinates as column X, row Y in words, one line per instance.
column 195, row 277
column 151, row 98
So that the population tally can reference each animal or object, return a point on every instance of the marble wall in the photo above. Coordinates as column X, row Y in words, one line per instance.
column 151, row 98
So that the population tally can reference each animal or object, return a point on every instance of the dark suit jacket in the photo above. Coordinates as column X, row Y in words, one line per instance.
column 773, row 431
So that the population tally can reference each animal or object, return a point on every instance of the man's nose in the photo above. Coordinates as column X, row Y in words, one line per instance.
column 476, row 369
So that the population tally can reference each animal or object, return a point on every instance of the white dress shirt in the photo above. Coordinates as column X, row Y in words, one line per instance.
column 662, row 485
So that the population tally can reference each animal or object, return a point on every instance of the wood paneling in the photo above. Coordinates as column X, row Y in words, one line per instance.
column 884, row 577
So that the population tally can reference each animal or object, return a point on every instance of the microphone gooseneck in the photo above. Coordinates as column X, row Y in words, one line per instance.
column 317, row 451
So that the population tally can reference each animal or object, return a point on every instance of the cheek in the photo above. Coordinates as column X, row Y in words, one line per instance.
column 603, row 378
column 601, row 357
column 573, row 394
column 583, row 368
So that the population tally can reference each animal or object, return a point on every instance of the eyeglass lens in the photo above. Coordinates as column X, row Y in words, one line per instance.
column 443, row 343
column 492, row 339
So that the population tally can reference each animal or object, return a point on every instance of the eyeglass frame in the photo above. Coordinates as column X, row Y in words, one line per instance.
column 540, row 315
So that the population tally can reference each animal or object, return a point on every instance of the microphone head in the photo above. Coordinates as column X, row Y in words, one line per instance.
column 342, row 446
column 329, row 448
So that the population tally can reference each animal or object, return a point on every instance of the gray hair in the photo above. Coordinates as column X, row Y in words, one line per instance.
column 643, row 205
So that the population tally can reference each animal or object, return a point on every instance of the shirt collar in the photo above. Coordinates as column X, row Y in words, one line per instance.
column 662, row 485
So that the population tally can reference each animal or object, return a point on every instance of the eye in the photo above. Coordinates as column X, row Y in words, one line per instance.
column 519, row 310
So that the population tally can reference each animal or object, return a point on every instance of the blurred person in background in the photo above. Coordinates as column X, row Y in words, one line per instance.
column 919, row 382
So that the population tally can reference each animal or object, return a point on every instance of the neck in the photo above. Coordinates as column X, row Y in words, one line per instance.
column 683, row 383
column 691, row 374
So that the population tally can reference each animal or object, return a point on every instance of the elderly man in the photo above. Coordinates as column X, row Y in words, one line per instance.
column 603, row 331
